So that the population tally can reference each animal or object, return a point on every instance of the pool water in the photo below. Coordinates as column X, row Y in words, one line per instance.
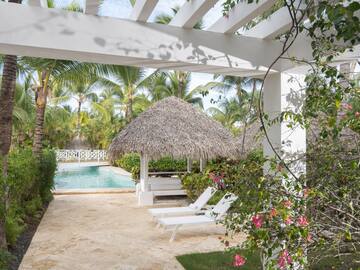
column 85, row 177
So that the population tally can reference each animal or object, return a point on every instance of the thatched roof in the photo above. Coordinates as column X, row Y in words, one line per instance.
column 173, row 127
column 253, row 138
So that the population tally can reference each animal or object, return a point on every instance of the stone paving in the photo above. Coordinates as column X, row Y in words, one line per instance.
column 109, row 231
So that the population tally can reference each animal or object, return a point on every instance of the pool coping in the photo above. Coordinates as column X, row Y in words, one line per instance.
column 79, row 191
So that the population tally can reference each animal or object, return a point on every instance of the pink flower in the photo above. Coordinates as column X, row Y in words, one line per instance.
column 284, row 259
column 287, row 204
column 302, row 221
column 257, row 220
column 357, row 114
column 347, row 106
column 309, row 238
column 239, row 260
column 306, row 192
column 288, row 220
column 273, row 213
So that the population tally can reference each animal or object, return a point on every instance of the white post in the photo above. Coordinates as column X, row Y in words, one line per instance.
column 284, row 92
column 145, row 194
column 202, row 164
column 188, row 165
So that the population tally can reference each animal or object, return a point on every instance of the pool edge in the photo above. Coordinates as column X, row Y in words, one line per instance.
column 92, row 191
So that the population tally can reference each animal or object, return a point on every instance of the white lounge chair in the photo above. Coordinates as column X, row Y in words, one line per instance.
column 210, row 216
column 186, row 210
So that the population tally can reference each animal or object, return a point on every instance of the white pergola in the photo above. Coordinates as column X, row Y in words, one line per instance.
column 37, row 31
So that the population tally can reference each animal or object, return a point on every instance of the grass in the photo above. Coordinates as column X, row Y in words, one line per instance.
column 218, row 261
column 223, row 261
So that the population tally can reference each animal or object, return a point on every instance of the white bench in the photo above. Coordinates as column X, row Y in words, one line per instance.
column 166, row 186
column 159, row 186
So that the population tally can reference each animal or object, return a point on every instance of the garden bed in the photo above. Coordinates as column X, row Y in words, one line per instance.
column 223, row 261
column 23, row 242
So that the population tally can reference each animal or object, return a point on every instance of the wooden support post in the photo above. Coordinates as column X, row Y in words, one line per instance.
column 188, row 165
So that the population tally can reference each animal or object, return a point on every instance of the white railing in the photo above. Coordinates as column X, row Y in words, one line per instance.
column 80, row 155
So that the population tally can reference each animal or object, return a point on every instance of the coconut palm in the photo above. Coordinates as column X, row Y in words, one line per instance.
column 83, row 90
column 175, row 83
column 6, row 110
column 48, row 74
column 23, row 113
column 229, row 113
column 126, row 84
column 179, row 81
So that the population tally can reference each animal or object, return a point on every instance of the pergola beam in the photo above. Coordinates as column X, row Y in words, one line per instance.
column 277, row 24
column 92, row 7
column 240, row 15
column 191, row 12
column 59, row 34
column 142, row 10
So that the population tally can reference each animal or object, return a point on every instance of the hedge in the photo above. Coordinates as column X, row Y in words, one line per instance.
column 29, row 185
column 131, row 163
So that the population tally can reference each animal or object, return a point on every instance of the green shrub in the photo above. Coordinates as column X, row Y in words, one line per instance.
column 247, row 170
column 22, row 176
column 195, row 184
column 128, row 162
column 14, row 224
column 5, row 258
column 32, row 207
column 131, row 163
column 47, row 169
column 29, row 183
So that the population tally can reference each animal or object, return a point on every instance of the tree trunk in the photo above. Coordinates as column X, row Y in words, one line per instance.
column 40, row 103
column 7, row 102
column 39, row 130
column 182, row 77
column 78, row 119
column 129, row 108
column 6, row 110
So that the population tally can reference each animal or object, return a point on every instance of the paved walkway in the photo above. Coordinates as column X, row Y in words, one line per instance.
column 109, row 231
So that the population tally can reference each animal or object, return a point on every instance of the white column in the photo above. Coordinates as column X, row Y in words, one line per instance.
column 285, row 92
column 202, row 164
column 188, row 165
column 145, row 196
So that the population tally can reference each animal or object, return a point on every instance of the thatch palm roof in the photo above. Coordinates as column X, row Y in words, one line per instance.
column 254, row 137
column 173, row 127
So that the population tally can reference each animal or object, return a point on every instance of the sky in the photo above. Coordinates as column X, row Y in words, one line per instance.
column 122, row 9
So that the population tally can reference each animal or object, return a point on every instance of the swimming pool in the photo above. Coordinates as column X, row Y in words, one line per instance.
column 77, row 176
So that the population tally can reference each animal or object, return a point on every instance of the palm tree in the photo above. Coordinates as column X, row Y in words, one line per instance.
column 49, row 74
column 229, row 113
column 174, row 83
column 125, row 83
column 6, row 110
column 23, row 113
column 82, row 91
column 179, row 80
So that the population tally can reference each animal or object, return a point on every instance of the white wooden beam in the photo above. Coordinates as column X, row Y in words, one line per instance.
column 142, row 10
column 38, row 3
column 240, row 15
column 92, row 7
column 278, row 23
column 87, row 38
column 192, row 12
